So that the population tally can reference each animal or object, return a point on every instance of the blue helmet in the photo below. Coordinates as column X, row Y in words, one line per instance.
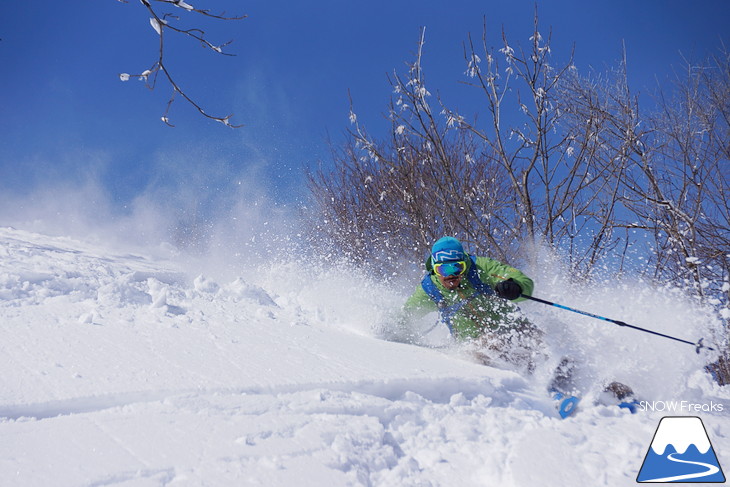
column 447, row 249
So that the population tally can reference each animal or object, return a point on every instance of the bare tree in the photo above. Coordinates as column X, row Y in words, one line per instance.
column 429, row 178
column 601, row 117
column 582, row 169
column 549, row 159
column 687, row 186
column 671, row 169
column 161, row 23
column 676, row 179
column 493, row 184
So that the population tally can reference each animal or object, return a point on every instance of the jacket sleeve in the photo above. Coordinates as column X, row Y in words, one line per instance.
column 492, row 272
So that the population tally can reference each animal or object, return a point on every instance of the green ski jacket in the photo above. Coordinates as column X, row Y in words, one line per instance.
column 481, row 314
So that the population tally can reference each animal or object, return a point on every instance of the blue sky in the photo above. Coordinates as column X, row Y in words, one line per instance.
column 67, row 119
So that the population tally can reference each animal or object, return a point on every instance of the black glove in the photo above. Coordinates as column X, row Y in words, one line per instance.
column 508, row 289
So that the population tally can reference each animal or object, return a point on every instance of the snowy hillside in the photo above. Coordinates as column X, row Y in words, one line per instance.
column 125, row 369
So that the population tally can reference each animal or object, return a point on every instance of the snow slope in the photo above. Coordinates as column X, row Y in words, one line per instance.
column 130, row 369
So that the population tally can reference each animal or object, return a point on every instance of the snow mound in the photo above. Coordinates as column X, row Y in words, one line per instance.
column 123, row 368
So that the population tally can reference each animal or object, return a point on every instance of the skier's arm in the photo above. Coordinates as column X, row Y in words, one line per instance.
column 493, row 272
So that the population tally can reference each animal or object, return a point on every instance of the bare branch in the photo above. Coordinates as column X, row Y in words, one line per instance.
column 160, row 24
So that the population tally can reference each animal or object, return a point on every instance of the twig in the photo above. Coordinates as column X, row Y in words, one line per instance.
column 160, row 24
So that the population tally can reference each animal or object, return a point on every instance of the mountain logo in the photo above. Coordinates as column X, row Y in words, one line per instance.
column 681, row 452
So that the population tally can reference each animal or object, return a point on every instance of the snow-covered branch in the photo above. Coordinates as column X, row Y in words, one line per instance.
column 161, row 23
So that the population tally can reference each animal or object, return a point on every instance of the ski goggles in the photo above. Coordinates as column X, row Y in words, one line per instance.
column 447, row 269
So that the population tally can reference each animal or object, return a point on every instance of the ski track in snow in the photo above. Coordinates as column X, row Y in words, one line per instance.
column 124, row 369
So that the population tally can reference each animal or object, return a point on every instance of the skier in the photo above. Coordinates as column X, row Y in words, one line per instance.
column 474, row 297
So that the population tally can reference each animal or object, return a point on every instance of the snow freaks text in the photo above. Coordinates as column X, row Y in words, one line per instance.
column 680, row 406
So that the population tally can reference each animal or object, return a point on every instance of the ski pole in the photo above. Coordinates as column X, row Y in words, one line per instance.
column 697, row 345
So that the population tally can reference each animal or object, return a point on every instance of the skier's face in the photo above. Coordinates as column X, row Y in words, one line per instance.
column 450, row 272
column 450, row 282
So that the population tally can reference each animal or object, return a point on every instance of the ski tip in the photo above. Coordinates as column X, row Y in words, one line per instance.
column 632, row 406
column 567, row 405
